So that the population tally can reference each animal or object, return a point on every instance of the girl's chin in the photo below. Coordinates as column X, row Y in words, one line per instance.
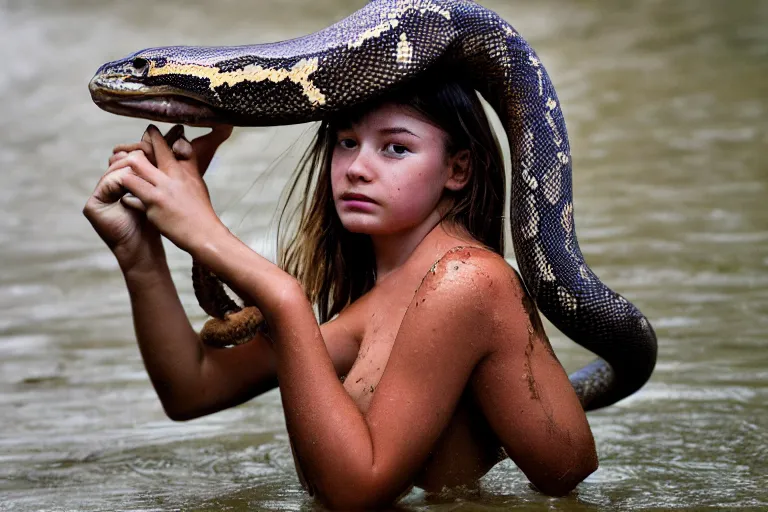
column 362, row 226
column 375, row 225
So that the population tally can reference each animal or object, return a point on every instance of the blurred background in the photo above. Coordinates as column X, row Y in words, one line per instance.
column 666, row 105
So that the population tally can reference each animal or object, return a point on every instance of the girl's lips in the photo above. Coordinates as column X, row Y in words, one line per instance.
column 356, row 197
column 356, row 204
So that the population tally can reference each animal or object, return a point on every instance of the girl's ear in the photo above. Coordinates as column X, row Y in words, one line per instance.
column 460, row 170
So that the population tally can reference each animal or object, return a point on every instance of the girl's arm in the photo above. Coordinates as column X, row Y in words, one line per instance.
column 190, row 378
column 526, row 396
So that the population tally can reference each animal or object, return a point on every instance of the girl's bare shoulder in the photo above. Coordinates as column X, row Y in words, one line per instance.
column 485, row 285
column 463, row 274
column 481, row 266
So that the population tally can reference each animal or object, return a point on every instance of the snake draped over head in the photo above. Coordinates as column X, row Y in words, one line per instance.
column 383, row 45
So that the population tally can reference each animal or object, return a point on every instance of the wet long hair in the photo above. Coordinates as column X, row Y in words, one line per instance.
column 335, row 266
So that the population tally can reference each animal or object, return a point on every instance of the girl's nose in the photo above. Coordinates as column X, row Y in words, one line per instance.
column 360, row 169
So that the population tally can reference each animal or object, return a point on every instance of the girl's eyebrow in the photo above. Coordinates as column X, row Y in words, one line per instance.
column 397, row 129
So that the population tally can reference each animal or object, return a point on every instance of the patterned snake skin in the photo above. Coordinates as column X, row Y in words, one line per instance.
column 384, row 44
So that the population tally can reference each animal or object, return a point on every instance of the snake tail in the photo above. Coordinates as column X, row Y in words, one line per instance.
column 230, row 324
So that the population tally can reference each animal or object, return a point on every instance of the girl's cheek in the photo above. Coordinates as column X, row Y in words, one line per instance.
column 336, row 176
column 411, row 202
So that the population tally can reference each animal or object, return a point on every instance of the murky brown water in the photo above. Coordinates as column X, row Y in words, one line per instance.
column 666, row 104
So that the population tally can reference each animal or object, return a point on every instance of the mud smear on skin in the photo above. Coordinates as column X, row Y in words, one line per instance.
column 532, row 386
column 529, row 369
column 535, row 327
column 536, row 335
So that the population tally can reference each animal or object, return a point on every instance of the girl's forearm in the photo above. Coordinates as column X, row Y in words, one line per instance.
column 260, row 281
column 191, row 380
column 330, row 434
column 170, row 348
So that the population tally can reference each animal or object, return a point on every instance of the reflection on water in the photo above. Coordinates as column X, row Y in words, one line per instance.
column 666, row 104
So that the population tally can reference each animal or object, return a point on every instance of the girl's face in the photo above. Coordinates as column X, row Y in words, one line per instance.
column 389, row 171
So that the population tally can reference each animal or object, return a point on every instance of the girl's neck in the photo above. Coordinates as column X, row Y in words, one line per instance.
column 393, row 251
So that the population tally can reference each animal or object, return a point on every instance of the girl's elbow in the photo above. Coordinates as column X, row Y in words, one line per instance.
column 569, row 477
column 182, row 408
column 356, row 501
column 190, row 410
column 355, row 494
column 180, row 414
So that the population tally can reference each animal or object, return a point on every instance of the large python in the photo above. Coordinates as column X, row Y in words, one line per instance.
column 384, row 44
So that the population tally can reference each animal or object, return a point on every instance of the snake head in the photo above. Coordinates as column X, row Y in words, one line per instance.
column 149, row 84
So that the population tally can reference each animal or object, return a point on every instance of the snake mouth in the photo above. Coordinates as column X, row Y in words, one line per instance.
column 165, row 108
column 157, row 104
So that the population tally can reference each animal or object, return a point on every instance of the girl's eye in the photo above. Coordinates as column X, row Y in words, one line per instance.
column 347, row 143
column 397, row 149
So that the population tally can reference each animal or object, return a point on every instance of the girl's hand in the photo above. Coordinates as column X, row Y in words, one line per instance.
column 122, row 226
column 204, row 147
column 171, row 190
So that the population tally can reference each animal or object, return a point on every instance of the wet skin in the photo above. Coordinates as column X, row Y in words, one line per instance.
column 397, row 158
column 519, row 387
column 468, row 448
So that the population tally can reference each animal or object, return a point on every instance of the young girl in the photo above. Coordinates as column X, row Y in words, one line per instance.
column 444, row 363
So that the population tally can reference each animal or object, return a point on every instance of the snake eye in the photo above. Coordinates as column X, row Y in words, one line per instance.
column 139, row 64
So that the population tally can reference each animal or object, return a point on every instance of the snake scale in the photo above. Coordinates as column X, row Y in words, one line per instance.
column 382, row 45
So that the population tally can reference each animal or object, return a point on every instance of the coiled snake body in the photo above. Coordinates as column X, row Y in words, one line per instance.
column 384, row 44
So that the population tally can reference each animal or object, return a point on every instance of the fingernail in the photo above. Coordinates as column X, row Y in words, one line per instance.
column 174, row 134
column 180, row 143
column 182, row 148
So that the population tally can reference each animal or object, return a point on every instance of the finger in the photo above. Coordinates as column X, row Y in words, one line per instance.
column 179, row 143
column 133, row 202
column 140, row 188
column 140, row 165
column 148, row 149
column 182, row 148
column 119, row 163
column 206, row 145
column 117, row 156
column 116, row 164
column 144, row 145
column 174, row 134
column 163, row 153
column 109, row 188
